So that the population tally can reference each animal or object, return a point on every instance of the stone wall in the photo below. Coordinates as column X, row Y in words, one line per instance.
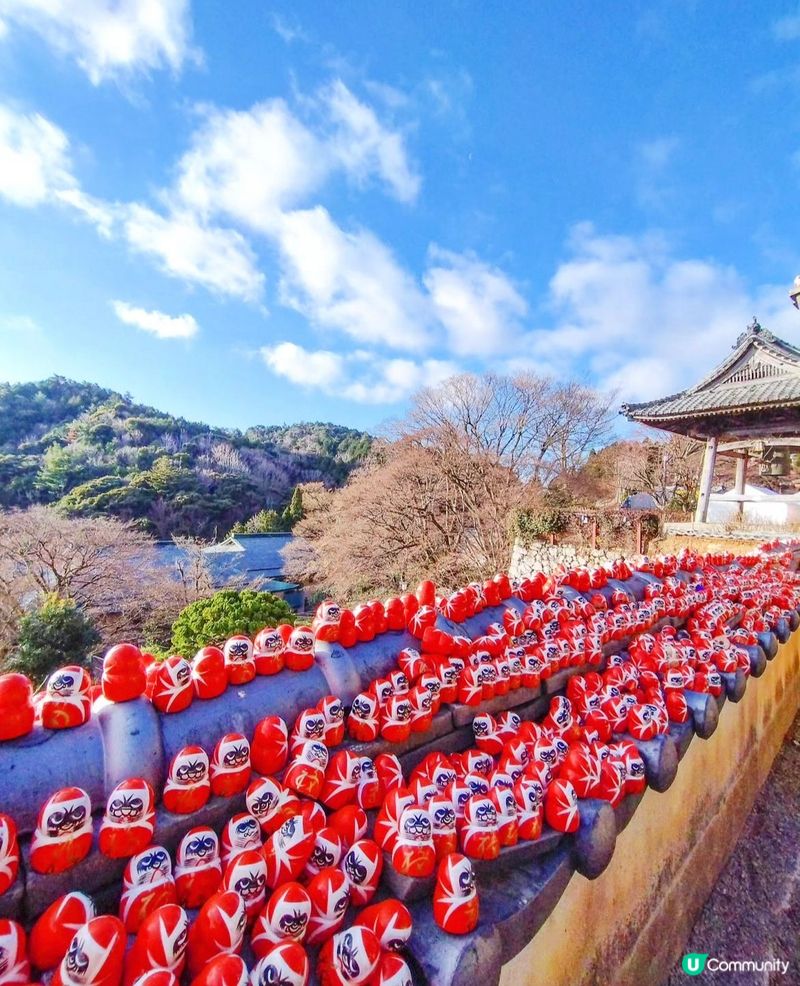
column 635, row 918
column 540, row 556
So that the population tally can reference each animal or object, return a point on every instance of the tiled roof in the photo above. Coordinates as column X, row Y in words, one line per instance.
column 761, row 372
column 248, row 556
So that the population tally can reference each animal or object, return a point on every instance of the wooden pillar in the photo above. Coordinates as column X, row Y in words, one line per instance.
column 741, row 480
column 706, row 481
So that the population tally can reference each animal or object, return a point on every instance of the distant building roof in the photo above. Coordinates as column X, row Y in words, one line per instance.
column 640, row 501
column 245, row 556
column 761, row 375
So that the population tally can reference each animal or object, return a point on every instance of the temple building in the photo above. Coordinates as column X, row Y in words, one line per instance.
column 748, row 407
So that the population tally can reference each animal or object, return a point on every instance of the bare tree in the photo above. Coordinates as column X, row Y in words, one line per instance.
column 106, row 566
column 667, row 469
column 532, row 425
column 436, row 501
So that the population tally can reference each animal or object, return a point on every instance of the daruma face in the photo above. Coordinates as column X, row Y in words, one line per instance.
column 189, row 767
column 150, row 866
column 238, row 650
column 242, row 832
column 415, row 825
column 67, row 682
column 130, row 802
column 199, row 847
column 95, row 953
column 67, row 812
column 232, row 752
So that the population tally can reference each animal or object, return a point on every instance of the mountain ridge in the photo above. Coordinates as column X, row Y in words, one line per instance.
column 92, row 450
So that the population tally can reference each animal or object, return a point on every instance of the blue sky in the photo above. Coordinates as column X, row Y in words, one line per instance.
column 253, row 213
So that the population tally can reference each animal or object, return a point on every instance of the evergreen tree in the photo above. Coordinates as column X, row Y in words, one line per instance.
column 294, row 509
column 55, row 634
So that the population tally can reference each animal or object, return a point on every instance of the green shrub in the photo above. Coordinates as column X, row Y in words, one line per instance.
column 56, row 633
column 549, row 517
column 264, row 522
column 213, row 620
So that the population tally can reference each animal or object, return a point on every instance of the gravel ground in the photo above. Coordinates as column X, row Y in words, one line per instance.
column 754, row 910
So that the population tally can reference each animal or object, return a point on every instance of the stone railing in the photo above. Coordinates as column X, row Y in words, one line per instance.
column 517, row 891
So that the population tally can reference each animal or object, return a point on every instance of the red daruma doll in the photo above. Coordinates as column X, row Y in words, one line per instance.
column 413, row 854
column 50, row 937
column 129, row 821
column 9, row 853
column 146, row 885
column 188, row 787
column 95, row 955
column 329, row 892
column 351, row 956
column 285, row 918
column 63, row 835
column 389, row 921
column 479, row 837
column 198, row 869
column 269, row 648
column 16, row 706
column 455, row 899
column 299, row 654
column 230, row 766
column 169, row 684
column 123, row 673
column 363, row 721
column 160, row 944
column 209, row 677
column 269, row 750
column 66, row 701
column 14, row 965
column 285, row 964
column 306, row 772
column 247, row 875
column 239, row 661
column 286, row 851
column 218, row 929
column 363, row 864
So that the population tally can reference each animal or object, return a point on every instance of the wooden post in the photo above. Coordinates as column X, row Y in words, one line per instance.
column 741, row 480
column 594, row 532
column 706, row 481
column 639, row 538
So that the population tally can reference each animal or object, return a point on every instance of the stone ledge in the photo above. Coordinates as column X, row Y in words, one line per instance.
column 634, row 919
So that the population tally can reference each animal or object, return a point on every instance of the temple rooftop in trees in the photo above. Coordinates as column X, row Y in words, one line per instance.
column 748, row 405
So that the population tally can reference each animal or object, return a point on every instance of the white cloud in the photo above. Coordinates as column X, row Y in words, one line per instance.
column 642, row 321
column 220, row 259
column 250, row 164
column 110, row 37
column 787, row 28
column 19, row 325
column 156, row 323
column 34, row 158
column 364, row 146
column 358, row 376
column 287, row 31
column 102, row 215
column 478, row 305
column 350, row 281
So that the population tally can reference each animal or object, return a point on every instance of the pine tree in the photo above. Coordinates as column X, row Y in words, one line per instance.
column 294, row 511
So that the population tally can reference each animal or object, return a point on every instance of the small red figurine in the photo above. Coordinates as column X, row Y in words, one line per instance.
column 188, row 787
column 52, row 933
column 63, row 834
column 455, row 899
column 129, row 820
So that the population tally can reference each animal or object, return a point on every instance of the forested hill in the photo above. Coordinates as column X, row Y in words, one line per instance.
column 91, row 450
